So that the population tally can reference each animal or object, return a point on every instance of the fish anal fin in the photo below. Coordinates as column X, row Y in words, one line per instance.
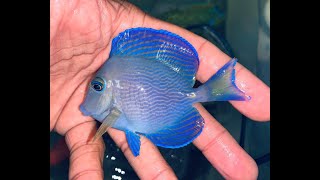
column 180, row 132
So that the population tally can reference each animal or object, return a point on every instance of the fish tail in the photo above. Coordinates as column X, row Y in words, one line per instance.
column 221, row 86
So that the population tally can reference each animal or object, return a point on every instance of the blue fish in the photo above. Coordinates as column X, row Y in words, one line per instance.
column 146, row 88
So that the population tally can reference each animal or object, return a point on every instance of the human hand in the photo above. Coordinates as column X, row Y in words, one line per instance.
column 80, row 42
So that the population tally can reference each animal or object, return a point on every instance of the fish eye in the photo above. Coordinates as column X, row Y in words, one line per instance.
column 98, row 84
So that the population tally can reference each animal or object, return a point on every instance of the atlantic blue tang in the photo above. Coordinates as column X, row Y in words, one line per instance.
column 146, row 88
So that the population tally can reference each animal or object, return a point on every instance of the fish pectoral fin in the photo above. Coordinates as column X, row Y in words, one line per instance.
column 179, row 132
column 107, row 122
column 133, row 142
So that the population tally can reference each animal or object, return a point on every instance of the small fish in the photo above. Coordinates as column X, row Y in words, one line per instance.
column 146, row 88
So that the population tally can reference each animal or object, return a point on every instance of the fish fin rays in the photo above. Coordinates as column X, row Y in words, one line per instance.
column 134, row 143
column 221, row 86
column 108, row 122
column 161, row 45
column 181, row 132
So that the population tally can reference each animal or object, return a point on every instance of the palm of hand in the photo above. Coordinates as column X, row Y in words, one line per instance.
column 79, row 37
column 78, row 43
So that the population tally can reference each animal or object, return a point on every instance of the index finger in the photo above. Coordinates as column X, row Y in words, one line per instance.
column 212, row 59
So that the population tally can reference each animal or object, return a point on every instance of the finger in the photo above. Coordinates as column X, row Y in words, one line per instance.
column 149, row 164
column 223, row 151
column 86, row 157
column 212, row 59
column 258, row 108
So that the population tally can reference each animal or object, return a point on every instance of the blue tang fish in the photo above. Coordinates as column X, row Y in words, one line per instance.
column 145, row 88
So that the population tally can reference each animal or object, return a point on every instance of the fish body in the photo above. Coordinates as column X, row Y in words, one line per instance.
column 146, row 88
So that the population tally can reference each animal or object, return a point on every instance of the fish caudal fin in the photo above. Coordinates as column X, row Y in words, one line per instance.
column 133, row 142
column 107, row 123
column 221, row 86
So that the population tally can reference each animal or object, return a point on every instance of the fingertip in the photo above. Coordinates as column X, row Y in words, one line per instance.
column 258, row 107
column 253, row 170
column 246, row 169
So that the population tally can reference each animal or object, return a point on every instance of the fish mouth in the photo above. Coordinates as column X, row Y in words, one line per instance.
column 84, row 111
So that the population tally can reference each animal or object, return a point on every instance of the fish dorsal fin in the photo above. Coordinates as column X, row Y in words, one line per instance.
column 161, row 45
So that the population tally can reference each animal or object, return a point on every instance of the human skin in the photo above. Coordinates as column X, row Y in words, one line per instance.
column 80, row 40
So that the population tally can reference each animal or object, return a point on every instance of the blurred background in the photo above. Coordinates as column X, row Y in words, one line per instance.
column 240, row 29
